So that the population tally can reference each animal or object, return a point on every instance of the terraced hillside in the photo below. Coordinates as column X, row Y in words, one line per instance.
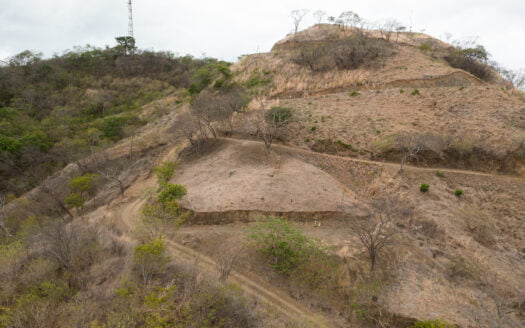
column 202, row 192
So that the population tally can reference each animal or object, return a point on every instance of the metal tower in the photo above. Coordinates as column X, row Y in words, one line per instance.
column 130, row 23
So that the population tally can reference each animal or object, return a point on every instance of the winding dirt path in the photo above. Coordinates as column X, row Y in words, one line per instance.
column 253, row 286
column 129, row 213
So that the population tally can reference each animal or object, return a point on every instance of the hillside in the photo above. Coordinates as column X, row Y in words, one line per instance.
column 248, row 194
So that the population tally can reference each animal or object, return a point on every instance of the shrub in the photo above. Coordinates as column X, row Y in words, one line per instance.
column 424, row 187
column 151, row 259
column 164, row 171
column 170, row 192
column 346, row 54
column 112, row 127
column 354, row 94
column 313, row 128
column 284, row 246
column 473, row 60
column 74, row 200
column 425, row 47
column 279, row 116
column 83, row 183
column 458, row 193
column 415, row 92
column 432, row 324
column 344, row 144
column 440, row 174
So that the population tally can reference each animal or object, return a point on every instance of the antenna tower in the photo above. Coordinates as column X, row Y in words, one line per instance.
column 130, row 23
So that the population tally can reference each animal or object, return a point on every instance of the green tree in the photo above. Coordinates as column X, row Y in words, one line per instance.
column 151, row 259
column 125, row 45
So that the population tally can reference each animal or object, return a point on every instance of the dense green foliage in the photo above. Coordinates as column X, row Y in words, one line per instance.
column 171, row 192
column 424, row 187
column 54, row 111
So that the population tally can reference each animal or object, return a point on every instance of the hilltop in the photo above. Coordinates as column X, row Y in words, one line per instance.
column 247, row 193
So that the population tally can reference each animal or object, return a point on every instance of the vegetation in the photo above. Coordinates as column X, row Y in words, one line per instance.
column 164, row 172
column 458, row 193
column 473, row 59
column 290, row 252
column 284, row 246
column 271, row 124
column 424, row 187
column 348, row 54
column 55, row 111
column 432, row 324
column 151, row 259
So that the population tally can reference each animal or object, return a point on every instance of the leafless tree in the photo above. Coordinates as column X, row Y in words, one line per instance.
column 390, row 27
column 206, row 110
column 516, row 77
column 349, row 18
column 319, row 16
column 225, row 261
column 264, row 129
column 55, row 197
column 3, row 203
column 59, row 241
column 232, row 100
column 297, row 16
column 411, row 145
column 270, row 124
column 377, row 232
column 113, row 174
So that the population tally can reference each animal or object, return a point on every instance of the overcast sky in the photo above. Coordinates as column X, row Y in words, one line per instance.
column 228, row 28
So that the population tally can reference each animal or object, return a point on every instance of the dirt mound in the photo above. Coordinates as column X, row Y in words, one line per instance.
column 243, row 176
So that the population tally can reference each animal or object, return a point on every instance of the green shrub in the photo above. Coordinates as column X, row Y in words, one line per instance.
column 164, row 171
column 112, row 127
column 80, row 185
column 424, row 187
column 313, row 128
column 170, row 192
column 344, row 144
column 440, row 174
column 284, row 246
column 415, row 92
column 458, row 193
column 83, row 182
column 151, row 259
column 279, row 116
column 425, row 47
column 401, row 90
column 354, row 94
column 74, row 200
column 432, row 324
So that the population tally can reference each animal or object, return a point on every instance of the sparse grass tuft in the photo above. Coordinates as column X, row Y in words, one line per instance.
column 458, row 193
column 440, row 174
column 424, row 187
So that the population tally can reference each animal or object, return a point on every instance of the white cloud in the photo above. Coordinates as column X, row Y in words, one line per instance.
column 229, row 28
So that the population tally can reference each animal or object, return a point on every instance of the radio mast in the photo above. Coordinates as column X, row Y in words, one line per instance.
column 130, row 23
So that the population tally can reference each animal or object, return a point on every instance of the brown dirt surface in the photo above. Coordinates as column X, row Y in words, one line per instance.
column 241, row 175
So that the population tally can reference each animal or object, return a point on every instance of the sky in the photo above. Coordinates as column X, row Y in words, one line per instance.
column 226, row 29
